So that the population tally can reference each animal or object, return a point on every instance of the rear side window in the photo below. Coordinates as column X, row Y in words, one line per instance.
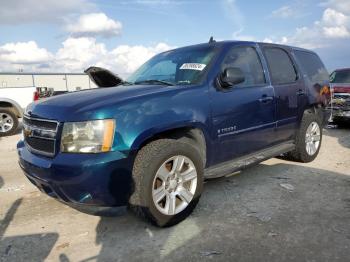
column 281, row 67
column 246, row 59
column 312, row 66
column 340, row 77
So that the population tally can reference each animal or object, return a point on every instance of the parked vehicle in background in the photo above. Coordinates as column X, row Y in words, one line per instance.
column 186, row 115
column 13, row 101
column 340, row 86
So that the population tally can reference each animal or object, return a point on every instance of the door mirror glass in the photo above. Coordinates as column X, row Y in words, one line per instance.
column 231, row 76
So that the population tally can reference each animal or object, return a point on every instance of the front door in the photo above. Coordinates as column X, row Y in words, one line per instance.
column 243, row 115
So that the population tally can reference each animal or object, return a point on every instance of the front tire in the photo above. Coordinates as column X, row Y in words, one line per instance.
column 168, row 181
column 308, row 138
column 8, row 122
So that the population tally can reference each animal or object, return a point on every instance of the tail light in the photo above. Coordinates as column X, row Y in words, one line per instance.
column 36, row 96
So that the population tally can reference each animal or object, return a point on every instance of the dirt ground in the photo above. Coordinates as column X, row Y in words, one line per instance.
column 275, row 211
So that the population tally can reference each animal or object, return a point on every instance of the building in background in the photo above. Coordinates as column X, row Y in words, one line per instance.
column 58, row 81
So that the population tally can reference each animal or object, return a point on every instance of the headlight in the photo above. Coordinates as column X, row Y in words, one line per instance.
column 88, row 137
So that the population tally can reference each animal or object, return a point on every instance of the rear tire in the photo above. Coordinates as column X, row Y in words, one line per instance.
column 155, row 161
column 308, row 139
column 8, row 122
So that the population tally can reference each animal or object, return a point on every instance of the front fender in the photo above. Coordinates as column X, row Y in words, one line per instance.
column 142, row 118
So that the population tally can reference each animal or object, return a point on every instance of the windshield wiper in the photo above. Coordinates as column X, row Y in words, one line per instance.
column 153, row 81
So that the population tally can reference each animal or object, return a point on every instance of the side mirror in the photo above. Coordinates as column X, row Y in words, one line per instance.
column 231, row 76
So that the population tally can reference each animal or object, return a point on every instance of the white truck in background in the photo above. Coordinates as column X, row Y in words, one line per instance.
column 17, row 90
column 13, row 101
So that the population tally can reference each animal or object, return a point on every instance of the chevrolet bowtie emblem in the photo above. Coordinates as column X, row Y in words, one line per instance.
column 339, row 101
column 27, row 132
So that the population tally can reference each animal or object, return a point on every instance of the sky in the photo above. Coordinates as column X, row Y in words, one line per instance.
column 71, row 35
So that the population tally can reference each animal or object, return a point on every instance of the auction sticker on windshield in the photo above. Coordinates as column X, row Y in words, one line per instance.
column 193, row 66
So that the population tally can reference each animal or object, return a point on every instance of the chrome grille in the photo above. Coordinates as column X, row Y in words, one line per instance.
column 342, row 96
column 40, row 135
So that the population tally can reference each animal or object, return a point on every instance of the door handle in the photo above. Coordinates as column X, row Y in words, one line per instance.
column 266, row 99
column 300, row 92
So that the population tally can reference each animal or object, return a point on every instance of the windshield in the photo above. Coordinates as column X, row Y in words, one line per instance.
column 177, row 67
column 340, row 77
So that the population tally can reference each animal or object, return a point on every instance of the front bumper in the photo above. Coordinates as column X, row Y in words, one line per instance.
column 341, row 113
column 80, row 179
column 341, row 106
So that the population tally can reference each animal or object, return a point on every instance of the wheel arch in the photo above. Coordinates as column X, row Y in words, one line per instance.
column 319, row 110
column 193, row 133
column 12, row 105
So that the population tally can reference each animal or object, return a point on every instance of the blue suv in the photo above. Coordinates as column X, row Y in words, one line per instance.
column 186, row 115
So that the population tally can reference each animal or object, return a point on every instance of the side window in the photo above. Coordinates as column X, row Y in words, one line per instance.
column 312, row 66
column 281, row 67
column 247, row 59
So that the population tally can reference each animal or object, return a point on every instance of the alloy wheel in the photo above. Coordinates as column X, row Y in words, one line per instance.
column 174, row 185
column 312, row 138
column 6, row 122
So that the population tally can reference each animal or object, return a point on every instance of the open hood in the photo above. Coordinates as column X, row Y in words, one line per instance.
column 103, row 77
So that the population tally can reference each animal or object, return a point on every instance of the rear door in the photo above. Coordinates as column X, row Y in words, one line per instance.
column 243, row 115
column 289, row 89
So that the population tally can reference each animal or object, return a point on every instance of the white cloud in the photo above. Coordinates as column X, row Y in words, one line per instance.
column 284, row 12
column 75, row 55
column 78, row 54
column 158, row 2
column 329, row 35
column 154, row 2
column 16, row 12
column 306, row 37
column 95, row 24
column 333, row 25
column 24, row 53
column 233, row 13
column 336, row 32
column 339, row 5
column 267, row 40
column 239, row 36
column 293, row 10
column 126, row 59
column 284, row 40
column 333, row 17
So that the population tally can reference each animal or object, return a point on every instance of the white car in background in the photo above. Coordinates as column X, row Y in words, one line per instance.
column 13, row 101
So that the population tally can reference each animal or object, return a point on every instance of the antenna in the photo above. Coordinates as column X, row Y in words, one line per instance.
column 211, row 40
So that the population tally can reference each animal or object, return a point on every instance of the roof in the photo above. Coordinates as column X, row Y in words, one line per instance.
column 37, row 73
column 228, row 42
column 341, row 69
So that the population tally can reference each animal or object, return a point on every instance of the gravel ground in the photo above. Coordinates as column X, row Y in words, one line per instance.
column 275, row 211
